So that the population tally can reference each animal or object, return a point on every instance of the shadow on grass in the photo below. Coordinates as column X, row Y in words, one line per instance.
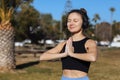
column 25, row 65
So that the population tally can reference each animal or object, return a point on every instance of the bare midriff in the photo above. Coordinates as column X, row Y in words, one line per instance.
column 74, row 73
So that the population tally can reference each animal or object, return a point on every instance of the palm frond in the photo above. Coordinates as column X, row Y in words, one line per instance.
column 6, row 11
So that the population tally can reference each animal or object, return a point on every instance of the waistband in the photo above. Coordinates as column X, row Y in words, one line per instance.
column 80, row 78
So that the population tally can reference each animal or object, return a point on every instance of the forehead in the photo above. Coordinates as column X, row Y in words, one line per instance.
column 74, row 15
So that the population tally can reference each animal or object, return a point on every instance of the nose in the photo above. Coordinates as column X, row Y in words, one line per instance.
column 71, row 24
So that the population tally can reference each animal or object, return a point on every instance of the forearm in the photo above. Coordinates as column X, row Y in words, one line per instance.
column 48, row 56
column 86, row 56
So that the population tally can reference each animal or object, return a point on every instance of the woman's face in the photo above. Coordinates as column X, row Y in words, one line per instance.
column 74, row 22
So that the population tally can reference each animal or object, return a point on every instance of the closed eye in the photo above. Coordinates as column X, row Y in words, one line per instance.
column 75, row 20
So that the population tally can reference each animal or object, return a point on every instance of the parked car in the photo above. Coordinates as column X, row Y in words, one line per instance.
column 21, row 44
column 103, row 43
column 115, row 44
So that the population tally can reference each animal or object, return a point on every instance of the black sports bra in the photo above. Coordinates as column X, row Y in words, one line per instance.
column 73, row 63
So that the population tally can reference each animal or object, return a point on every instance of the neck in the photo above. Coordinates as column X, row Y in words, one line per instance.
column 77, row 36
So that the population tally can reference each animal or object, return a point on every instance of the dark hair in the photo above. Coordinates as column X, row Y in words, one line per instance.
column 84, row 15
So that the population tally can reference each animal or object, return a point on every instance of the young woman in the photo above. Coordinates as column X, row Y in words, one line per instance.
column 78, row 51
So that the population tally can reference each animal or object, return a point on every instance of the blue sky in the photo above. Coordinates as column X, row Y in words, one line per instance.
column 101, row 7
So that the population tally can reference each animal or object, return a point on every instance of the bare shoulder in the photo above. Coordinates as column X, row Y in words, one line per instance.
column 91, row 46
column 90, row 42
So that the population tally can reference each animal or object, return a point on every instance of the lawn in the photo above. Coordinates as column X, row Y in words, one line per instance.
column 107, row 67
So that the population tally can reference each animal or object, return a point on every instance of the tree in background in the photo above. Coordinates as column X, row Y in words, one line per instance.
column 112, row 10
column 65, row 33
column 90, row 32
column 95, row 19
column 7, row 59
column 30, row 24
column 55, row 30
column 27, row 23
column 46, row 24
column 116, row 29
column 103, row 32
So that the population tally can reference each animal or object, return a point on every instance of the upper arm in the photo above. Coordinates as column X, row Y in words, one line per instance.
column 56, row 49
column 91, row 47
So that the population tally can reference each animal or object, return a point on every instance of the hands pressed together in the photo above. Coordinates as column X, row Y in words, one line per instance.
column 69, row 49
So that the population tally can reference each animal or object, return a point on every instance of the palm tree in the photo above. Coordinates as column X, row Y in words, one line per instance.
column 95, row 19
column 7, row 58
column 112, row 11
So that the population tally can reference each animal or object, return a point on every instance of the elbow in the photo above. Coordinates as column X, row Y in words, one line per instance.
column 93, row 59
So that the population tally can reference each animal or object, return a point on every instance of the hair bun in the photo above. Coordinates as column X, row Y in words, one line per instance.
column 83, row 11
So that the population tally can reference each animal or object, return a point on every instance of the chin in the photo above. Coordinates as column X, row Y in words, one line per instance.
column 73, row 31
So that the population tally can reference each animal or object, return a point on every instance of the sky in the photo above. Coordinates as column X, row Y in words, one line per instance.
column 102, row 7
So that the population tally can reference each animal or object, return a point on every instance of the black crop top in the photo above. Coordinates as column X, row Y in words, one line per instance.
column 73, row 63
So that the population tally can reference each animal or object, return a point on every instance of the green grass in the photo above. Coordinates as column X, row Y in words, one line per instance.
column 107, row 67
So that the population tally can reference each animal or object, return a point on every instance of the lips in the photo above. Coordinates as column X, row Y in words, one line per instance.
column 71, row 27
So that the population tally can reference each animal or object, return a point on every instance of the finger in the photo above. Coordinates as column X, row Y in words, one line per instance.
column 70, row 41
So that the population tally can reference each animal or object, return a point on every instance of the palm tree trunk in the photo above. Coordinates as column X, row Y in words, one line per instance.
column 7, row 58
